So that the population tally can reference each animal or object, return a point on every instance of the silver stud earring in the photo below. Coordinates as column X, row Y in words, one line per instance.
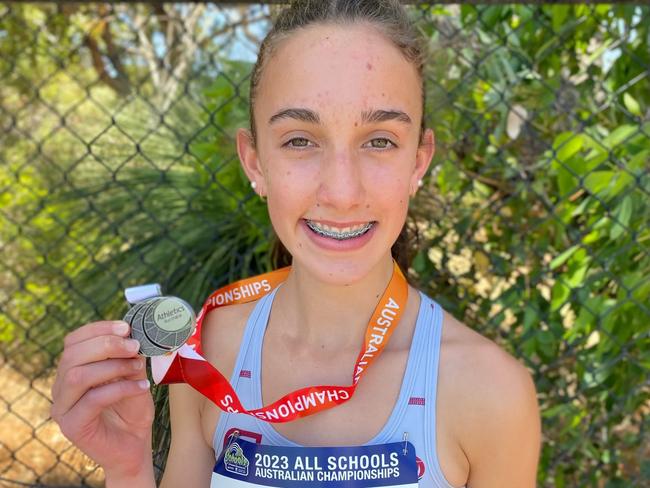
column 420, row 183
column 253, row 185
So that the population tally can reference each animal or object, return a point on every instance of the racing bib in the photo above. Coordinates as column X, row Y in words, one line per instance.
column 244, row 464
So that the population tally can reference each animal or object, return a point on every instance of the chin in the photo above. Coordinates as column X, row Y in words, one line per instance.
column 339, row 271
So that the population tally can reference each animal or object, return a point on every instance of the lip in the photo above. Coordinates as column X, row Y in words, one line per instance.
column 335, row 245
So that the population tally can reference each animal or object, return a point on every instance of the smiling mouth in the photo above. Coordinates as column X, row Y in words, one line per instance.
column 339, row 234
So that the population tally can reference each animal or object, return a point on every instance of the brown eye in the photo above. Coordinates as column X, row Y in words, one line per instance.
column 297, row 142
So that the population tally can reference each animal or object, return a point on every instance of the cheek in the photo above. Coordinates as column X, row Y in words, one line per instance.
column 290, row 194
column 388, row 188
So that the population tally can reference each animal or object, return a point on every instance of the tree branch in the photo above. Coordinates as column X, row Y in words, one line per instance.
column 116, row 84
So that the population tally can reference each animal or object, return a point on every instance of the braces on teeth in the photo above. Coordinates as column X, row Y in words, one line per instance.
column 339, row 235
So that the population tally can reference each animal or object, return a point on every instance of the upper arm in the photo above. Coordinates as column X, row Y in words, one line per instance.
column 190, row 460
column 504, row 443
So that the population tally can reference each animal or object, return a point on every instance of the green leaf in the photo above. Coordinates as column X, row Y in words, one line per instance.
column 577, row 275
column 638, row 284
column 566, row 162
column 622, row 180
column 622, row 215
column 619, row 135
column 556, row 410
column 639, row 161
column 567, row 144
column 561, row 259
column 559, row 294
column 631, row 104
column 598, row 181
column 596, row 157
column 531, row 317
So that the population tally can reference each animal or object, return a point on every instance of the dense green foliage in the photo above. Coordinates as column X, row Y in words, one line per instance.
column 541, row 238
column 534, row 220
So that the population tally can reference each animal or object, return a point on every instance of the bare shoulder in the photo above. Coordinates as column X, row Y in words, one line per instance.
column 490, row 398
column 483, row 366
column 222, row 331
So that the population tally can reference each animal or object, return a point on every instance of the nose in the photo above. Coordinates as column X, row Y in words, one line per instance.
column 341, row 186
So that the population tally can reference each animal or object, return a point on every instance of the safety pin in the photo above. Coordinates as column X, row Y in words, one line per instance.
column 405, row 438
column 232, row 438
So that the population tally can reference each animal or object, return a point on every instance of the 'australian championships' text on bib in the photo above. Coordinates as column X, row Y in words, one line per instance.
column 245, row 464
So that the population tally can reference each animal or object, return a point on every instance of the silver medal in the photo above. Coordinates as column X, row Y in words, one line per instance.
column 161, row 324
column 147, row 348
column 169, row 322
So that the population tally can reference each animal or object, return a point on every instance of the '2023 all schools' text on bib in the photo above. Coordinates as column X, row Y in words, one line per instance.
column 246, row 464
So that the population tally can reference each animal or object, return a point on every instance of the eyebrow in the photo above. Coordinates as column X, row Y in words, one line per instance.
column 367, row 116
column 371, row 116
column 302, row 114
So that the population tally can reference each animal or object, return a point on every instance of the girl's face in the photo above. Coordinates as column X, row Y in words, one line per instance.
column 338, row 117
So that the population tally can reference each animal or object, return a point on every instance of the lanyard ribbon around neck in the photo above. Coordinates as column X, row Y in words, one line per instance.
column 187, row 364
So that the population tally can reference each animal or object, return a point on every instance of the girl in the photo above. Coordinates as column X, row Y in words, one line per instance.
column 337, row 146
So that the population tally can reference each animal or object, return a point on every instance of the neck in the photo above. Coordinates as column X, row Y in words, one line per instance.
column 319, row 314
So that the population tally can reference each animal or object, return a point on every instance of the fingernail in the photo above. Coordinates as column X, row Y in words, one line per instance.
column 132, row 345
column 120, row 328
column 144, row 384
column 137, row 364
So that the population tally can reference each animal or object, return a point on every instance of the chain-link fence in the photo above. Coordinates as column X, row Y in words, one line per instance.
column 118, row 167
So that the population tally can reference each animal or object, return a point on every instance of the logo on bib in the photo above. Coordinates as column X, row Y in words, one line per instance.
column 236, row 433
column 235, row 461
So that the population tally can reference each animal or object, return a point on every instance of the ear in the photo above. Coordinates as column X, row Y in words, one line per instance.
column 423, row 158
column 249, row 160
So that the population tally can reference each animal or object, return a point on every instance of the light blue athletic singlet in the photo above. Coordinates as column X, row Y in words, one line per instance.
column 414, row 411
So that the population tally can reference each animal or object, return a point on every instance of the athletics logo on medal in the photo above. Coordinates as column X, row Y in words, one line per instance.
column 235, row 461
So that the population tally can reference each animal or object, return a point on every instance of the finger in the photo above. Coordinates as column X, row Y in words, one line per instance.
column 92, row 350
column 78, row 380
column 97, row 349
column 94, row 329
column 90, row 406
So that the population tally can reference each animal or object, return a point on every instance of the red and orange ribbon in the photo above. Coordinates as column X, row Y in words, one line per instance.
column 187, row 365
